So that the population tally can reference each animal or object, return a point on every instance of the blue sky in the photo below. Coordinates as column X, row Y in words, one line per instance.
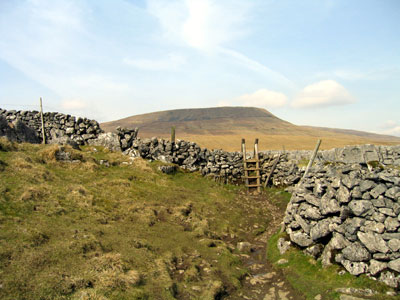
column 322, row 62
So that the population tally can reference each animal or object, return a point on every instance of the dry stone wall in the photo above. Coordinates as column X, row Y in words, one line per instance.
column 385, row 155
column 223, row 165
column 345, row 211
column 57, row 125
column 349, row 214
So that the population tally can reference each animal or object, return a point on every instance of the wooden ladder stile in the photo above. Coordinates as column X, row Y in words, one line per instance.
column 252, row 169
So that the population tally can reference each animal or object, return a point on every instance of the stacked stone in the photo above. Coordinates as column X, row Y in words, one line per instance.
column 126, row 137
column 286, row 173
column 226, row 166
column 349, row 215
column 385, row 155
column 57, row 125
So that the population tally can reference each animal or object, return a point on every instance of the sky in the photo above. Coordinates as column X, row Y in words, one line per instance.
column 330, row 63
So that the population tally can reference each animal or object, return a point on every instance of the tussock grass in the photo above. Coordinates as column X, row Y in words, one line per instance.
column 6, row 145
column 87, row 231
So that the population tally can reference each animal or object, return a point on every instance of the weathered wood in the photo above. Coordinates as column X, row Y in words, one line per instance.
column 256, row 149
column 272, row 170
column 252, row 168
column 244, row 149
column 312, row 159
column 41, row 117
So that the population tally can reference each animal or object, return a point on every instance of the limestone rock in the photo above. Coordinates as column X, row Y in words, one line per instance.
column 108, row 140
column 360, row 207
column 390, row 279
column 343, row 194
column 356, row 252
column 321, row 229
column 283, row 245
column 301, row 239
column 394, row 265
column 355, row 268
column 394, row 245
column 373, row 242
column 314, row 250
column 376, row 266
column 378, row 190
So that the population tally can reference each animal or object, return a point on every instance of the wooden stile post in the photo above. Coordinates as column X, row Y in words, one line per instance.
column 41, row 117
column 256, row 149
column 244, row 149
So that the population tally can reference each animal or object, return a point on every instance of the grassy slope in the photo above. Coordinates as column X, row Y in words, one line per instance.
column 223, row 128
column 85, row 231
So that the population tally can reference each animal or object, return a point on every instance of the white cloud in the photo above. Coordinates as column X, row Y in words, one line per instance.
column 322, row 94
column 263, row 98
column 73, row 104
column 393, row 131
column 390, row 127
column 171, row 62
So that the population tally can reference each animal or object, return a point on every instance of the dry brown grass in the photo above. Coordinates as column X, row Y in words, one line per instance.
column 142, row 165
column 49, row 154
column 34, row 193
column 277, row 142
column 6, row 145
column 224, row 127
column 110, row 272
column 21, row 163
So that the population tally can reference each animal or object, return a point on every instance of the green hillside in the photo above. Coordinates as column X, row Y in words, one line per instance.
column 92, row 225
column 80, row 230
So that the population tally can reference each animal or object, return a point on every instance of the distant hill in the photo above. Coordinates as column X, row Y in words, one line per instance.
column 223, row 127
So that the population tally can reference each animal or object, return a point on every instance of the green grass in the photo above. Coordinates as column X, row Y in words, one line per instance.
column 309, row 277
column 86, row 231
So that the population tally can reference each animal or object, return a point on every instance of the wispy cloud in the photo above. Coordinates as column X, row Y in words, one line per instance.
column 256, row 66
column 208, row 26
column 171, row 62
column 360, row 75
column 323, row 94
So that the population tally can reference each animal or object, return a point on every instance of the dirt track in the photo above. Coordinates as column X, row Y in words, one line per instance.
column 264, row 281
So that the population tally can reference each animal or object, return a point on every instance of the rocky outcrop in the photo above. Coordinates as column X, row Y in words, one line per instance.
column 17, row 131
column 352, row 213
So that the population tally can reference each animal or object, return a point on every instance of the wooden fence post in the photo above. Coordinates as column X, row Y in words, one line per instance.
column 41, row 117
column 312, row 159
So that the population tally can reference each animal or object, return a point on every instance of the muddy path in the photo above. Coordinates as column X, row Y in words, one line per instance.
column 264, row 282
